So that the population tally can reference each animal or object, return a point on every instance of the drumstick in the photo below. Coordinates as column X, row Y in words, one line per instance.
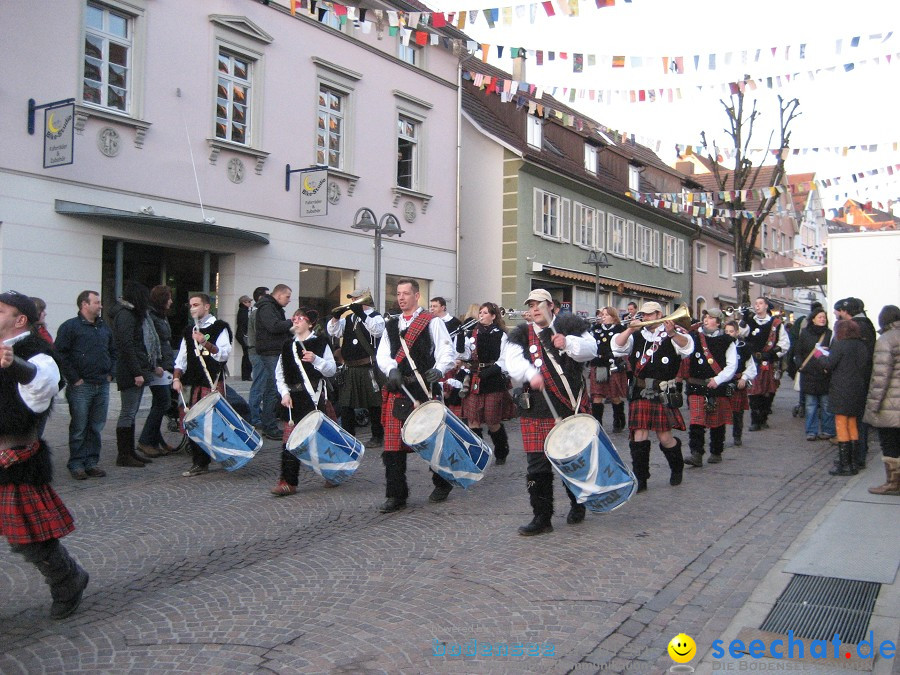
column 550, row 403
column 415, row 403
column 290, row 416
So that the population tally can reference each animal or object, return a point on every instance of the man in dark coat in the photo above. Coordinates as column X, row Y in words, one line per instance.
column 272, row 329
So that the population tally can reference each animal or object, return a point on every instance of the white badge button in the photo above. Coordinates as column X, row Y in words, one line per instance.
column 539, row 362
column 665, row 359
column 355, row 341
column 533, row 349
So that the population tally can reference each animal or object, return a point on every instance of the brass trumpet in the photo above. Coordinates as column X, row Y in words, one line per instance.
column 512, row 313
column 364, row 300
column 729, row 311
column 681, row 313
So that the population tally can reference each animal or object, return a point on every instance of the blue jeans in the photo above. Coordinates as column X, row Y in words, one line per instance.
column 88, row 405
column 265, row 396
column 151, row 434
column 255, row 397
column 131, row 403
column 819, row 415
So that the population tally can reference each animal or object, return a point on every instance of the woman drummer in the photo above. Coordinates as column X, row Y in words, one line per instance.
column 488, row 401
column 608, row 376
column 300, row 394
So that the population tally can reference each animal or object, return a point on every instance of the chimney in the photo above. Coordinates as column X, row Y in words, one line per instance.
column 518, row 73
column 687, row 168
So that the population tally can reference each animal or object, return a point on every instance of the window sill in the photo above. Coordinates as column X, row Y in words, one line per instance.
column 85, row 112
column 351, row 179
column 702, row 271
column 216, row 145
column 406, row 192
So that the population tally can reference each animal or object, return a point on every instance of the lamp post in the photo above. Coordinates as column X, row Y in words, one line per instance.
column 598, row 260
column 387, row 225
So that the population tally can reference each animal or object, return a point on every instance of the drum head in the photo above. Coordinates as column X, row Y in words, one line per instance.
column 203, row 406
column 305, row 428
column 570, row 437
column 423, row 422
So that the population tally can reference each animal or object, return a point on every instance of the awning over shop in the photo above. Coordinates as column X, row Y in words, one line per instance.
column 140, row 219
column 788, row 277
column 614, row 284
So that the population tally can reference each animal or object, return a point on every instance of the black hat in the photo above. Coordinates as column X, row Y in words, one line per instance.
column 22, row 303
column 852, row 306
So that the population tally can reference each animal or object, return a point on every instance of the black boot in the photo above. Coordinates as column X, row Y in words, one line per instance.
column 441, row 490
column 66, row 578
column 618, row 417
column 396, row 489
column 755, row 416
column 716, row 444
column 696, row 440
column 845, row 461
column 501, row 445
column 540, row 493
column 348, row 420
column 576, row 510
column 134, row 453
column 125, row 448
column 858, row 454
column 597, row 412
column 640, row 462
column 675, row 460
column 479, row 431
column 737, row 427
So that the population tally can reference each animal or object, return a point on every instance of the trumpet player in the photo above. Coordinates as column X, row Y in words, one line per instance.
column 768, row 341
column 655, row 350
column 608, row 377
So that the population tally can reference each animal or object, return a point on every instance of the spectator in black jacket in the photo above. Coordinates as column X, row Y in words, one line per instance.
column 272, row 329
column 151, row 442
column 243, row 314
column 814, row 380
column 854, row 308
column 87, row 356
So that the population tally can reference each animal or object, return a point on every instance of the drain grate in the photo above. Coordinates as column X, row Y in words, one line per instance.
column 816, row 608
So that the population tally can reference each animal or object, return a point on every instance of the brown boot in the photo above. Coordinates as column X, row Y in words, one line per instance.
column 125, row 448
column 892, row 484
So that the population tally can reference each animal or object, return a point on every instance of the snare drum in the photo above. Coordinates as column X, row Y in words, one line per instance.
column 446, row 443
column 585, row 458
column 321, row 445
column 223, row 434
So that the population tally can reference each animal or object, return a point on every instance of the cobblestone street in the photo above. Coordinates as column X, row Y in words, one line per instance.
column 213, row 574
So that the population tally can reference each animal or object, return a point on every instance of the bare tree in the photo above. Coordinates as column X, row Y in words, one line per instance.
column 745, row 175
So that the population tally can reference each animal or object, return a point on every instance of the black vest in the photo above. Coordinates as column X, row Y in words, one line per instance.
column 459, row 340
column 757, row 342
column 744, row 355
column 292, row 376
column 193, row 374
column 17, row 419
column 604, row 336
column 422, row 351
column 700, row 368
column 351, row 347
column 488, row 345
column 665, row 363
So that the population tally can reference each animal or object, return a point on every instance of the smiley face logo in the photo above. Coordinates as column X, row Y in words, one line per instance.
column 682, row 648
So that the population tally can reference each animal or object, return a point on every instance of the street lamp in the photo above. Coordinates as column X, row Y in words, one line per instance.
column 388, row 225
column 598, row 260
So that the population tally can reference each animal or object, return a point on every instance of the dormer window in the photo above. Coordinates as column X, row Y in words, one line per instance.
column 534, row 132
column 634, row 177
column 590, row 158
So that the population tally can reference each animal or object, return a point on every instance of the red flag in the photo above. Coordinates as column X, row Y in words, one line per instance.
column 438, row 20
column 340, row 10
column 548, row 7
column 421, row 38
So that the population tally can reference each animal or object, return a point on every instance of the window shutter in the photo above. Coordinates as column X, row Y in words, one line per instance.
column 538, row 212
column 654, row 255
column 600, row 231
column 565, row 225
column 680, row 256
column 629, row 238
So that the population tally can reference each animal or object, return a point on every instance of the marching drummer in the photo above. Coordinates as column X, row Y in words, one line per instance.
column 202, row 355
column 548, row 354
column 302, row 391
column 419, row 337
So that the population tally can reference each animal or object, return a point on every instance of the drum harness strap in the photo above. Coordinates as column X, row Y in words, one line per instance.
column 212, row 385
column 575, row 403
column 415, row 370
column 314, row 395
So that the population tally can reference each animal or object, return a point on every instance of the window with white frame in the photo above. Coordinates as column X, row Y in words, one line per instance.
column 673, row 253
column 723, row 264
column 410, row 53
column 331, row 19
column 643, row 244
column 330, row 127
column 407, row 152
column 108, row 49
column 615, row 235
column 584, row 226
column 775, row 247
column 534, row 132
column 629, row 239
column 233, row 89
column 590, row 158
column 634, row 177
column 547, row 208
column 700, row 257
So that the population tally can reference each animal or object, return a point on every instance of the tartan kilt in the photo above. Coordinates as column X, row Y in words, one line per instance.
column 739, row 401
column 33, row 513
column 534, row 432
column 653, row 416
column 764, row 383
column 615, row 387
column 392, row 426
column 711, row 420
column 491, row 408
column 357, row 390
column 455, row 409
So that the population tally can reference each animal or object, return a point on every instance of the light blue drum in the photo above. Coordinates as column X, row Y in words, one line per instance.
column 321, row 445
column 223, row 434
column 446, row 443
column 585, row 458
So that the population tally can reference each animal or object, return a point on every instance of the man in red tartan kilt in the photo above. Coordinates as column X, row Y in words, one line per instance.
column 608, row 375
column 743, row 378
column 712, row 366
column 768, row 342
column 655, row 353
column 531, row 350
column 32, row 516
column 432, row 356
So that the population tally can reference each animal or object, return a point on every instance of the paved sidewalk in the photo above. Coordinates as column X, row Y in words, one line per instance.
column 213, row 574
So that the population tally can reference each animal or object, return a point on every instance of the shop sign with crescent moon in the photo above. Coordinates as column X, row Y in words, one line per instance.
column 314, row 193
column 59, row 135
